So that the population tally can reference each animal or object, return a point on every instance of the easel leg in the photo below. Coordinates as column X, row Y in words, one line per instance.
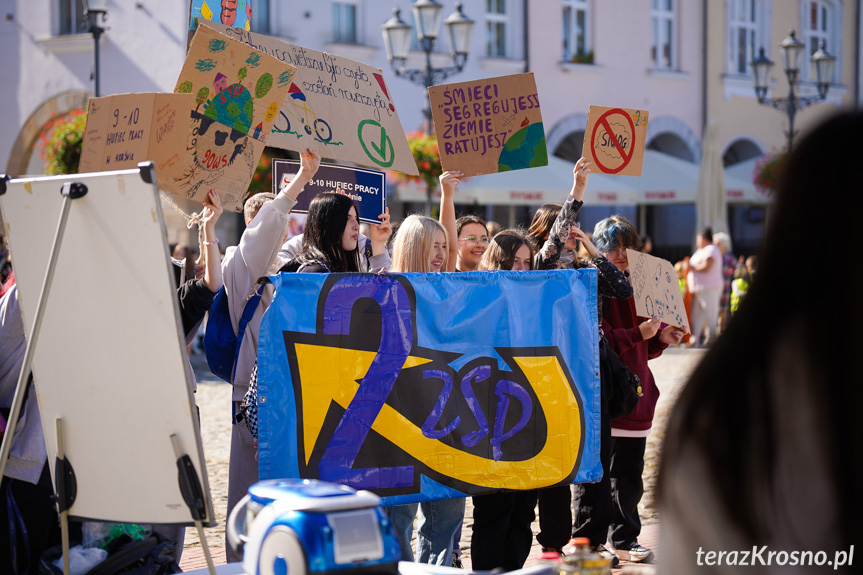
column 190, row 487
column 64, row 513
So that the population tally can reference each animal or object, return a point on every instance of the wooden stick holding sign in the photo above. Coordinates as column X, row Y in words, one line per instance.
column 488, row 126
column 614, row 140
column 656, row 290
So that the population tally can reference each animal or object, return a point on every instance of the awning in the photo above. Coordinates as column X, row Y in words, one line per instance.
column 664, row 180
column 739, row 186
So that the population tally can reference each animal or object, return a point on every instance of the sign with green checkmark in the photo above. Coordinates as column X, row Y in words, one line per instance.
column 338, row 107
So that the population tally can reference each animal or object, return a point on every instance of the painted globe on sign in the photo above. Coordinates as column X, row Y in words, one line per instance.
column 232, row 107
column 524, row 149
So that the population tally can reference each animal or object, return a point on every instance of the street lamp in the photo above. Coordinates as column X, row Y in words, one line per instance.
column 92, row 10
column 427, row 19
column 792, row 48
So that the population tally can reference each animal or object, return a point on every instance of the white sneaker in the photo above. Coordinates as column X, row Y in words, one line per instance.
column 635, row 553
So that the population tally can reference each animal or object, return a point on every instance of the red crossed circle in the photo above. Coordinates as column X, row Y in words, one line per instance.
column 603, row 121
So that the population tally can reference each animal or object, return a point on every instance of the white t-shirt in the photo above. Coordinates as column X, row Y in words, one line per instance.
column 710, row 279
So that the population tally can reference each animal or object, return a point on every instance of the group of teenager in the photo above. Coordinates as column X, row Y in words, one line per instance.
column 606, row 512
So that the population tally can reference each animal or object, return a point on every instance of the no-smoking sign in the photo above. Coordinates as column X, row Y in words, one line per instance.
column 614, row 140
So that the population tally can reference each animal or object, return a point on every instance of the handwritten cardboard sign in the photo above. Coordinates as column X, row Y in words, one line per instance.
column 656, row 289
column 367, row 188
column 614, row 140
column 229, row 12
column 238, row 91
column 488, row 126
column 338, row 107
column 126, row 129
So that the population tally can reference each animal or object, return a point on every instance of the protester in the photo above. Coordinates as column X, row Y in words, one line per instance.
column 508, row 250
column 266, row 217
column 331, row 238
column 421, row 246
column 560, row 237
column 729, row 265
column 761, row 461
column 472, row 242
column 743, row 278
column 635, row 340
column 705, row 282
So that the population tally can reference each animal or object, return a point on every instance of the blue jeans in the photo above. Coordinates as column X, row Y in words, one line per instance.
column 438, row 522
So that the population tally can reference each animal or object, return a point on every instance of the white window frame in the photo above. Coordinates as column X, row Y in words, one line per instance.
column 79, row 26
column 758, row 32
column 832, row 33
column 658, row 14
column 337, row 37
column 492, row 20
column 569, row 48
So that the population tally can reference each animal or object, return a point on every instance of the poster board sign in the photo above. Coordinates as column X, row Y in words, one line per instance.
column 656, row 289
column 363, row 381
column 125, row 129
column 238, row 91
column 614, row 140
column 110, row 360
column 367, row 188
column 229, row 12
column 488, row 126
column 338, row 107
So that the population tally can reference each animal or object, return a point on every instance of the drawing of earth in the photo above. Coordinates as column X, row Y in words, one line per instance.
column 524, row 149
column 232, row 107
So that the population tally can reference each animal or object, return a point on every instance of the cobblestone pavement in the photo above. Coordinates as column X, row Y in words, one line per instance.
column 213, row 398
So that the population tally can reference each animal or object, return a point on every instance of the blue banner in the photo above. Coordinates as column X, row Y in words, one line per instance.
column 428, row 386
column 367, row 188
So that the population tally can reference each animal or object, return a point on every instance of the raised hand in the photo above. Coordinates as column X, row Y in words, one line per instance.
column 579, row 178
column 379, row 234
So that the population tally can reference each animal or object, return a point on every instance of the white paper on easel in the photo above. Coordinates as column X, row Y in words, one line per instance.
column 109, row 359
column 656, row 289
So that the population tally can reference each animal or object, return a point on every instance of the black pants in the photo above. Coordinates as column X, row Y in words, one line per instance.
column 555, row 516
column 39, row 515
column 591, row 502
column 608, row 510
column 501, row 534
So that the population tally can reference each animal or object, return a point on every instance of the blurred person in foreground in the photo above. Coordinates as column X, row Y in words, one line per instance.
column 763, row 445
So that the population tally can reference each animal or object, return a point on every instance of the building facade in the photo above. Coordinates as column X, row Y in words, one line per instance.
column 686, row 61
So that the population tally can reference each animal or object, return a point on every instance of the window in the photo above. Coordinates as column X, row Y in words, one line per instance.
column 345, row 22
column 663, row 47
column 260, row 16
column 72, row 20
column 818, row 25
column 745, row 36
column 576, row 37
column 495, row 28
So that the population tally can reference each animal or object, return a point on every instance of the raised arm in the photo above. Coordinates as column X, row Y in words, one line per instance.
column 310, row 161
column 448, row 181
column 549, row 253
column 210, row 243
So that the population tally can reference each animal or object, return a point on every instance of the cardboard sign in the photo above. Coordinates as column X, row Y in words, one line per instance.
column 229, row 12
column 338, row 107
column 126, row 129
column 488, row 126
column 614, row 140
column 656, row 289
column 423, row 409
column 366, row 188
column 238, row 91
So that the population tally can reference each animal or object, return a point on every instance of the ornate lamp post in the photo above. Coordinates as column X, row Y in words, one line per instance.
column 427, row 19
column 792, row 48
column 92, row 10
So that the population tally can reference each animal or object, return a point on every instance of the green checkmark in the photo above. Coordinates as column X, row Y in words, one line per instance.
column 380, row 151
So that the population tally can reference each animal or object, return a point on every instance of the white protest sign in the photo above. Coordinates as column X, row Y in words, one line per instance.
column 656, row 289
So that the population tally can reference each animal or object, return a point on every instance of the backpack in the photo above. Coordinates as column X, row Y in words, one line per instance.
column 221, row 344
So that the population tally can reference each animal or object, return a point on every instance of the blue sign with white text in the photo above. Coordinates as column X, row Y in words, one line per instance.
column 367, row 188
